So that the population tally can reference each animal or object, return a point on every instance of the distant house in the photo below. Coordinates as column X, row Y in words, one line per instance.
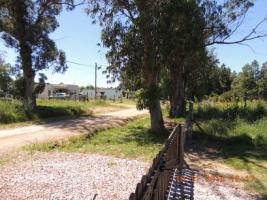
column 104, row 93
column 51, row 90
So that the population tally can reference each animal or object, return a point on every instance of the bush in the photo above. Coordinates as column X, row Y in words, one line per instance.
column 218, row 128
column 260, row 141
column 13, row 111
column 235, row 123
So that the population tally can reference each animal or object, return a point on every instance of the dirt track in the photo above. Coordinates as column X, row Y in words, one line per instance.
column 11, row 139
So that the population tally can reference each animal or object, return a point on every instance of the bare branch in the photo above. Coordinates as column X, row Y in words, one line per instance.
column 48, row 3
column 129, row 14
column 252, row 35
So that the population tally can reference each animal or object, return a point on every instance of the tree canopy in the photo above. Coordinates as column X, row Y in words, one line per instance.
column 25, row 25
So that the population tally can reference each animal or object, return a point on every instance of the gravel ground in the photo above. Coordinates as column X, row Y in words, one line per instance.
column 203, row 186
column 79, row 176
column 70, row 176
column 207, row 189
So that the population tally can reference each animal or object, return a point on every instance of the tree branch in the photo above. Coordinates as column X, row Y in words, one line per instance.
column 250, row 36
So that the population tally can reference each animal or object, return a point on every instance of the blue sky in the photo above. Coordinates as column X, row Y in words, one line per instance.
column 78, row 37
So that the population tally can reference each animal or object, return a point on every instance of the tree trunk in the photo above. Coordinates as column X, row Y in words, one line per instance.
column 25, row 50
column 150, row 69
column 28, row 75
column 177, row 97
column 151, row 74
column 156, row 119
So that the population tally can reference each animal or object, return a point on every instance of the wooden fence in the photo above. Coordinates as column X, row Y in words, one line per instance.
column 155, row 184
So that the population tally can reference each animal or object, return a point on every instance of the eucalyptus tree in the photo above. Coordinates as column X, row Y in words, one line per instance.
column 130, row 33
column 262, row 83
column 5, row 78
column 245, row 84
column 25, row 25
column 181, row 46
column 202, row 23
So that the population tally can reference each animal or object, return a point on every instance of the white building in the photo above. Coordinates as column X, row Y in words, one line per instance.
column 50, row 90
column 105, row 93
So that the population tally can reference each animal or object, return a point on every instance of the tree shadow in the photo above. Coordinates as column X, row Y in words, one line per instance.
column 44, row 112
column 237, row 147
column 143, row 136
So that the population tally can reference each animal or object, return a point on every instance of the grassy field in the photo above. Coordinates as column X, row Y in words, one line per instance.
column 240, row 135
column 14, row 112
column 231, row 121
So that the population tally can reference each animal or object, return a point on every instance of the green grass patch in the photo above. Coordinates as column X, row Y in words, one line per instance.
column 255, row 168
column 228, row 121
column 240, row 134
column 251, row 160
column 14, row 112
column 133, row 140
column 2, row 162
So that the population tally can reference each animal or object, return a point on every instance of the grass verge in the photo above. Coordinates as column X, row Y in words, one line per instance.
column 245, row 159
column 240, row 135
column 133, row 140
column 14, row 112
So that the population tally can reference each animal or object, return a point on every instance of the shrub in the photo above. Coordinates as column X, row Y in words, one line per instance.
column 13, row 111
column 260, row 141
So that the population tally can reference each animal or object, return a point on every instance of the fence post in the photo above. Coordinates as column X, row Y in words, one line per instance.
column 190, row 120
column 181, row 147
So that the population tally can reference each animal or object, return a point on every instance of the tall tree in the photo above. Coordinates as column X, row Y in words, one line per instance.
column 262, row 83
column 245, row 84
column 25, row 25
column 221, row 21
column 181, row 46
column 132, row 20
column 5, row 79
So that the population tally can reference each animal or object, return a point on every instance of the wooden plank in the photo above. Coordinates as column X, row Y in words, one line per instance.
column 181, row 147
column 138, row 191
column 144, row 182
column 132, row 197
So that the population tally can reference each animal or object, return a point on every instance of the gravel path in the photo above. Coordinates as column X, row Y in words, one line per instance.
column 70, row 176
column 76, row 176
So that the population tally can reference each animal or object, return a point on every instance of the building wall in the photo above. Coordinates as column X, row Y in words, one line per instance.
column 51, row 89
column 109, row 93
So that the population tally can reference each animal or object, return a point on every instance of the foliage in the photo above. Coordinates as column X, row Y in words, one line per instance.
column 144, row 96
column 234, row 122
column 25, row 26
column 5, row 79
column 88, row 87
column 14, row 111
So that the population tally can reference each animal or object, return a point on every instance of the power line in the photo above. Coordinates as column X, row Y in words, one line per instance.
column 84, row 65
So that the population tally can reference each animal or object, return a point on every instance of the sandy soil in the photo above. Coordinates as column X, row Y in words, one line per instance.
column 11, row 139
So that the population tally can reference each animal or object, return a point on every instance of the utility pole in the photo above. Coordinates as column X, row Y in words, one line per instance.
column 95, row 81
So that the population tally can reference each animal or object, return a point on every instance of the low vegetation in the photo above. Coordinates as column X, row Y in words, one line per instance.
column 240, row 135
column 14, row 111
column 234, row 121
column 132, row 140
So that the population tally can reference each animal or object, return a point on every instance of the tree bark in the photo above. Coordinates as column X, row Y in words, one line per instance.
column 151, row 74
column 177, row 97
column 156, row 119
column 28, row 75
column 25, row 50
column 150, row 69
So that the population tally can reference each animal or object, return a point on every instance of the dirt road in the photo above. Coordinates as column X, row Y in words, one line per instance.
column 11, row 139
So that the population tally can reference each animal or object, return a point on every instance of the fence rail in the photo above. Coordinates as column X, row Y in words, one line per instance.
column 155, row 184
